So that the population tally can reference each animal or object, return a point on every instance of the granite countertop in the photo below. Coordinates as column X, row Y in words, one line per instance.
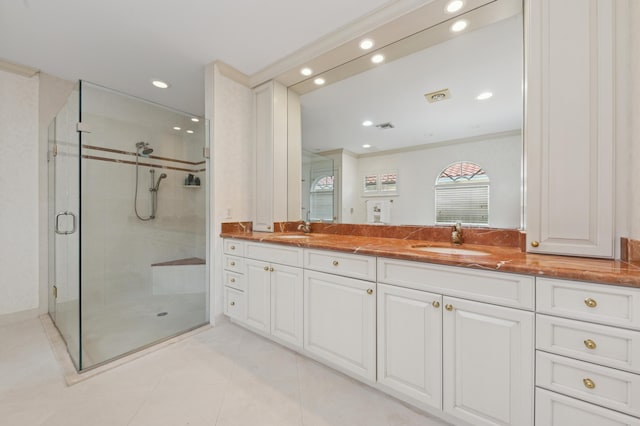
column 493, row 258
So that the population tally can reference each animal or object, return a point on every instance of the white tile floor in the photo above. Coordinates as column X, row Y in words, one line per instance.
column 223, row 376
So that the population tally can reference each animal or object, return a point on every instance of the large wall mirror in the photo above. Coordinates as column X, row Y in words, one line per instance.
column 431, row 135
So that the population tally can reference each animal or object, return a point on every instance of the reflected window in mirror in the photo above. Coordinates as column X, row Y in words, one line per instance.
column 321, row 199
column 462, row 194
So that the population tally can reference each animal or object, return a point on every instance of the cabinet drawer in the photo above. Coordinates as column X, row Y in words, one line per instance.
column 553, row 409
column 284, row 255
column 234, row 304
column 233, row 263
column 235, row 280
column 604, row 386
column 601, row 303
column 349, row 265
column 234, row 247
column 610, row 346
column 494, row 287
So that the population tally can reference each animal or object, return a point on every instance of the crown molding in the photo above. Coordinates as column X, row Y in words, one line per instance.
column 22, row 70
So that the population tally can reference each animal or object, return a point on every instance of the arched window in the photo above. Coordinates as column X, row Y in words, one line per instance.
column 321, row 199
column 462, row 194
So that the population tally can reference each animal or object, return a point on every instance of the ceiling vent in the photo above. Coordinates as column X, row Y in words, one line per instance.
column 386, row 125
column 438, row 96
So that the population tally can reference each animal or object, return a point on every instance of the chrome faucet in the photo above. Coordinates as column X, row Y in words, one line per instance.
column 305, row 227
column 456, row 234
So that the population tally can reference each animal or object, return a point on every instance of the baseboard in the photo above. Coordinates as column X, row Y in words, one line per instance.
column 19, row 316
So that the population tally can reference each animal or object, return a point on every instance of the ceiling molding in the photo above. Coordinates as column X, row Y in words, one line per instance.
column 357, row 28
column 232, row 73
column 498, row 135
column 22, row 70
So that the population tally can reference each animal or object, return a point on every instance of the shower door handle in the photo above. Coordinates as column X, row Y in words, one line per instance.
column 57, row 223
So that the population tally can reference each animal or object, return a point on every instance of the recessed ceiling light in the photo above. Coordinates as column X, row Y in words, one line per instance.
column 306, row 71
column 484, row 95
column 160, row 84
column 176, row 128
column 459, row 26
column 366, row 44
column 367, row 123
column 366, row 146
column 190, row 131
column 454, row 6
column 195, row 120
column 319, row 81
column 378, row 58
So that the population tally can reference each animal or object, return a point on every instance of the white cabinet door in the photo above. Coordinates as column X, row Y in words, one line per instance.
column 270, row 113
column 410, row 343
column 340, row 322
column 257, row 295
column 570, row 130
column 487, row 363
column 286, row 304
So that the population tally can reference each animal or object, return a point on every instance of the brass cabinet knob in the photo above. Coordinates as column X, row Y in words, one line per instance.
column 271, row 269
column 369, row 291
column 448, row 307
column 590, row 302
column 232, row 247
column 336, row 263
column 588, row 383
column 266, row 268
column 233, row 280
column 233, row 303
column 233, row 263
column 590, row 344
column 268, row 227
column 534, row 244
column 435, row 304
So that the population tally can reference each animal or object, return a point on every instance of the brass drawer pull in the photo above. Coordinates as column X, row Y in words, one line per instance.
column 271, row 269
column 590, row 302
column 233, row 303
column 233, row 263
column 435, row 304
column 369, row 291
column 534, row 244
column 590, row 344
column 588, row 383
column 232, row 247
column 336, row 263
column 233, row 280
column 266, row 268
column 448, row 307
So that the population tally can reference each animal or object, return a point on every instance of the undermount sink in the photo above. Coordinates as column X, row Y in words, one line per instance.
column 292, row 236
column 451, row 250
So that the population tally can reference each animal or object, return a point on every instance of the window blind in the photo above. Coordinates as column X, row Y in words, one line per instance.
column 462, row 203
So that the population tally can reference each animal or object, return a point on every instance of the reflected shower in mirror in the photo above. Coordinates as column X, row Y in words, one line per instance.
column 392, row 130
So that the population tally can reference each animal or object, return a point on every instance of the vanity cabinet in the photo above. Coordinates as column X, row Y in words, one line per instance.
column 588, row 359
column 340, row 310
column 410, row 343
column 270, row 115
column 488, row 363
column 570, row 126
column 473, row 360
column 263, row 289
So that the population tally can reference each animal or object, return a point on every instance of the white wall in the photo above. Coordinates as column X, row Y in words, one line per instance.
column 19, row 191
column 418, row 169
column 632, row 174
column 229, row 107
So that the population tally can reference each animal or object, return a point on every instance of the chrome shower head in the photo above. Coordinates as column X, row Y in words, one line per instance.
column 143, row 148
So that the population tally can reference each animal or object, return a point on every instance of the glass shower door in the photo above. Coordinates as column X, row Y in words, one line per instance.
column 64, row 233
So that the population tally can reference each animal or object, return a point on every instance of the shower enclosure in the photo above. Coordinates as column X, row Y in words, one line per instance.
column 127, row 224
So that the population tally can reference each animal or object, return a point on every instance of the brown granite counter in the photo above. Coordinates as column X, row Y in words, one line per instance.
column 494, row 258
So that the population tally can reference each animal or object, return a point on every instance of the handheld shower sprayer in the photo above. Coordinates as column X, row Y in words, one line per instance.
column 143, row 149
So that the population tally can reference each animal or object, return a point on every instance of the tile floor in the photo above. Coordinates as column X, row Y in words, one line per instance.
column 223, row 376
